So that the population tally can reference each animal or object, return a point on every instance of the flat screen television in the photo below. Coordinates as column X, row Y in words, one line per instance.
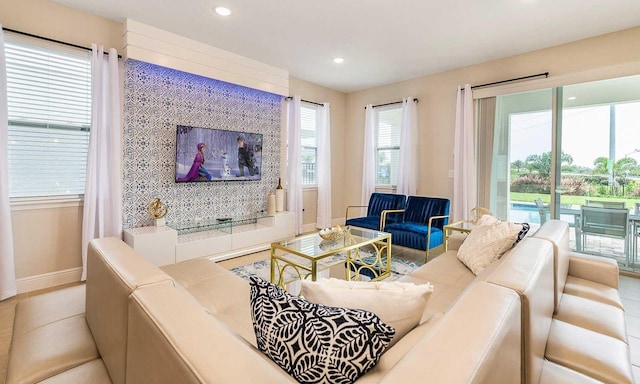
column 206, row 154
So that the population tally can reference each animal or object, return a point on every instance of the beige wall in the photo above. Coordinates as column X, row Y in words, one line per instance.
column 55, row 21
column 437, row 94
column 48, row 240
column 312, row 92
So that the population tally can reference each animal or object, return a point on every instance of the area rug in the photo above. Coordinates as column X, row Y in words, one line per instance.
column 399, row 267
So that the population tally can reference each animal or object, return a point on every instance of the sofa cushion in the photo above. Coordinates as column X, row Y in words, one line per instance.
column 486, row 243
column 312, row 342
column 449, row 278
column 398, row 304
column 553, row 373
column 596, row 355
column 50, row 349
column 93, row 372
column 592, row 290
column 414, row 235
column 594, row 315
column 395, row 353
column 45, row 309
column 370, row 222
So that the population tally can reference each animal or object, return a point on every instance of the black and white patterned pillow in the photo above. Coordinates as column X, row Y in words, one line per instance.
column 523, row 232
column 312, row 342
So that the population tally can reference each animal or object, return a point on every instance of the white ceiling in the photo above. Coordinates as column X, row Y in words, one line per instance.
column 382, row 42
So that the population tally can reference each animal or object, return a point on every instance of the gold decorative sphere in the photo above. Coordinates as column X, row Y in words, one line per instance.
column 157, row 210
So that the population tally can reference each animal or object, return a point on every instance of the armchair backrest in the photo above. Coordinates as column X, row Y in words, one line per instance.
column 605, row 204
column 383, row 201
column 420, row 208
column 612, row 222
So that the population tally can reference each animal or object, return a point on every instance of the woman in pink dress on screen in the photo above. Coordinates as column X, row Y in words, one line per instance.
column 197, row 168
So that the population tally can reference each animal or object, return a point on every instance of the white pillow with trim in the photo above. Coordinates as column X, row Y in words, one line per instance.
column 486, row 243
column 398, row 304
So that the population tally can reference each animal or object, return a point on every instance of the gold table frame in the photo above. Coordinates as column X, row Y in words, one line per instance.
column 304, row 253
column 462, row 226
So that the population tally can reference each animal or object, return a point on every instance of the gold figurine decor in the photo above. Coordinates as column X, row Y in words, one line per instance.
column 157, row 211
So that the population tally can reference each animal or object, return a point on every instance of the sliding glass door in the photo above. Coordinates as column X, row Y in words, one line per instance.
column 521, row 157
column 570, row 153
column 599, row 133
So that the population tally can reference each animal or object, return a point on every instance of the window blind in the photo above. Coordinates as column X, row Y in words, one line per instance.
column 308, row 121
column 49, row 105
column 388, row 144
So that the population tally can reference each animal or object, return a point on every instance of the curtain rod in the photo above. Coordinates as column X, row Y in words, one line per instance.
column 545, row 74
column 306, row 101
column 395, row 102
column 52, row 40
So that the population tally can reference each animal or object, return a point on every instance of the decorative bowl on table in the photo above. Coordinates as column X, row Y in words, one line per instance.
column 333, row 233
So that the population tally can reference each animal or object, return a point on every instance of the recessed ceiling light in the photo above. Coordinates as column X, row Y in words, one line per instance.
column 338, row 60
column 223, row 11
column 571, row 98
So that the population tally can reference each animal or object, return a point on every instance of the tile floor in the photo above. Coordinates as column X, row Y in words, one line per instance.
column 630, row 294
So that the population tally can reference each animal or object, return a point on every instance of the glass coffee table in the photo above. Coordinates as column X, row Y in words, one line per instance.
column 305, row 256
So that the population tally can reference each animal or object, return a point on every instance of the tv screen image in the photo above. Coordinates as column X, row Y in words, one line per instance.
column 206, row 154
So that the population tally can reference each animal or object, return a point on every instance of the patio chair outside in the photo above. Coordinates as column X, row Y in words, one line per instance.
column 607, row 222
column 605, row 204
column 543, row 210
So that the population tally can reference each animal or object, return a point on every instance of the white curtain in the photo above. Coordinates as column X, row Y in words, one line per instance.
column 323, row 218
column 408, row 162
column 294, row 156
column 464, row 157
column 7, row 268
column 369, row 160
column 102, row 212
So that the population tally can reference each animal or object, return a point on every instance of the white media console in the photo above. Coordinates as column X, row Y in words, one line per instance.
column 219, row 241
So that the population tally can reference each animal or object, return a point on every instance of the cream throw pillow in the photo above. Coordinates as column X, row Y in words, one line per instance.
column 398, row 304
column 486, row 243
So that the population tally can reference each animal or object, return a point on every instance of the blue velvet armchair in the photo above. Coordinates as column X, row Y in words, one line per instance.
column 421, row 225
column 378, row 202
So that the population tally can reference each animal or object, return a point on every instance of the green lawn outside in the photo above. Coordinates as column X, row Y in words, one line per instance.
column 574, row 200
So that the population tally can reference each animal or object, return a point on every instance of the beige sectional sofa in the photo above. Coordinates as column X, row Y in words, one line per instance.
column 191, row 323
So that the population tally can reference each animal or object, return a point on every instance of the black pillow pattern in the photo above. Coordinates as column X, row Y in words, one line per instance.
column 312, row 342
column 523, row 232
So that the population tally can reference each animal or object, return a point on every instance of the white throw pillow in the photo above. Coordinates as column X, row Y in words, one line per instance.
column 398, row 304
column 486, row 243
column 486, row 220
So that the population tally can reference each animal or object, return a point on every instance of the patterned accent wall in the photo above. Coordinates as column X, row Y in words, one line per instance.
column 156, row 100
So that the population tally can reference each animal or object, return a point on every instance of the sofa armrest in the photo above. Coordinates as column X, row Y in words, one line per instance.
column 346, row 213
column 383, row 216
column 456, row 350
column 594, row 268
column 172, row 339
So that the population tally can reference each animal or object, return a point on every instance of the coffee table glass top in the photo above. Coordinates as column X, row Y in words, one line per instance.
column 313, row 246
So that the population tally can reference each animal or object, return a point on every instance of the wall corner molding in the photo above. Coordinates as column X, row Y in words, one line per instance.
column 156, row 46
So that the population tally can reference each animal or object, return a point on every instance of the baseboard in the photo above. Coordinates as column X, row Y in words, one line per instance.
column 48, row 280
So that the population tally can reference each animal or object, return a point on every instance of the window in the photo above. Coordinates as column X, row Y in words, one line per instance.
column 388, row 120
column 49, row 105
column 309, row 121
